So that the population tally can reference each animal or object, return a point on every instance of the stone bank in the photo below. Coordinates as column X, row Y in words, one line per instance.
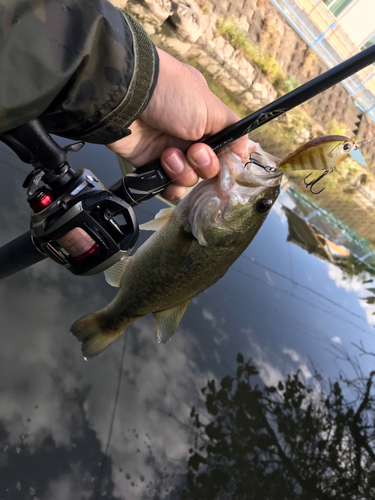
column 187, row 31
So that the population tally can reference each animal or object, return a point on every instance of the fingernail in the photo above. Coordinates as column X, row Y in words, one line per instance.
column 201, row 157
column 175, row 163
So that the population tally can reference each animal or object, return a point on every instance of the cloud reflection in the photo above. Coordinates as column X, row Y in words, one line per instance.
column 64, row 403
column 352, row 284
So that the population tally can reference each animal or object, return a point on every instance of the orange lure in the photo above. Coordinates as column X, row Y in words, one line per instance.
column 322, row 153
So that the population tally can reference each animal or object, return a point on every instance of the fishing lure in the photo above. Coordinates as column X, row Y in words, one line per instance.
column 323, row 153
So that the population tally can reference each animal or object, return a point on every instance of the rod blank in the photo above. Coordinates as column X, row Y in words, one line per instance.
column 18, row 254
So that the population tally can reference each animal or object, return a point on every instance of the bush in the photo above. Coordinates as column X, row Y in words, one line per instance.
column 266, row 62
column 334, row 127
column 290, row 83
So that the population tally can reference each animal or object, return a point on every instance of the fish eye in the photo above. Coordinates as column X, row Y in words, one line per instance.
column 347, row 146
column 263, row 206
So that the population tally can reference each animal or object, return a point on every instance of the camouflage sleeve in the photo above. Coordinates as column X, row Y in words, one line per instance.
column 82, row 66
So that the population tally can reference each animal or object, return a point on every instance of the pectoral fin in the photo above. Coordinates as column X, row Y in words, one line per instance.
column 161, row 219
column 114, row 273
column 167, row 321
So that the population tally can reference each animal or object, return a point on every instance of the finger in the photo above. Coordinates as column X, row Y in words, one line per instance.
column 242, row 146
column 177, row 168
column 203, row 160
column 173, row 192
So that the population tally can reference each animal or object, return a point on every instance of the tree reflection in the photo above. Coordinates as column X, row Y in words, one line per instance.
column 351, row 266
column 292, row 441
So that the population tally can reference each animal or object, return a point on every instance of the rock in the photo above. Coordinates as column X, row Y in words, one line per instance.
column 234, row 64
column 220, row 43
column 187, row 21
column 161, row 9
column 209, row 34
column 251, row 102
column 208, row 28
column 174, row 46
column 249, row 73
column 259, row 91
column 148, row 15
column 243, row 23
column 227, row 51
column 120, row 4
column 302, row 136
column 212, row 69
column 231, row 85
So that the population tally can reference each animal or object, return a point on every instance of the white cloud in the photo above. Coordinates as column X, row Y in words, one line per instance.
column 268, row 373
column 291, row 353
column 336, row 340
column 353, row 284
column 277, row 209
column 305, row 371
column 208, row 316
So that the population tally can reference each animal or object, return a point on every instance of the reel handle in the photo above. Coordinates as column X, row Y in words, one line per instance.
column 142, row 184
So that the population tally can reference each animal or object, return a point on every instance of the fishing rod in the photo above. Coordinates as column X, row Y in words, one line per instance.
column 64, row 202
column 255, row 120
column 293, row 99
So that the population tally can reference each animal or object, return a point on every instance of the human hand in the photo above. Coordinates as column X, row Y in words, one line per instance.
column 181, row 110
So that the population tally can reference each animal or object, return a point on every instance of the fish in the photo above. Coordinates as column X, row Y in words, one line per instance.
column 322, row 153
column 192, row 247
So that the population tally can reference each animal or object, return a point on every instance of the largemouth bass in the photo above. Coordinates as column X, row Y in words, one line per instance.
column 192, row 247
column 322, row 153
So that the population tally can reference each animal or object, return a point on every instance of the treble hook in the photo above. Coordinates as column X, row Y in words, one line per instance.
column 313, row 182
column 259, row 162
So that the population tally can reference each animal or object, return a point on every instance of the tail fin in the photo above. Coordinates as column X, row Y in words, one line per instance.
column 94, row 337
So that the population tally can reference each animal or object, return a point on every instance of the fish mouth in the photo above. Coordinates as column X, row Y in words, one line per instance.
column 262, row 178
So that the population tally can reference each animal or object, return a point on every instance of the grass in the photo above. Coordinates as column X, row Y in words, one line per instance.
column 334, row 127
column 236, row 35
column 290, row 83
column 266, row 61
column 205, row 7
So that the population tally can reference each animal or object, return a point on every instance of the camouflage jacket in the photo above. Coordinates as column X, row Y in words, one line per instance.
column 82, row 66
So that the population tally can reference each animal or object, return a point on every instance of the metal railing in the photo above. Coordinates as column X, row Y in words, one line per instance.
column 331, row 227
column 321, row 31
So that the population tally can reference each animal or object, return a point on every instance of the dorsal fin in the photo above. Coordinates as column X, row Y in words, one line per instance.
column 161, row 219
column 167, row 321
column 114, row 273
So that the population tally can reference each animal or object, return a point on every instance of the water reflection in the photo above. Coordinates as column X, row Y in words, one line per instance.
column 119, row 426
column 335, row 230
column 297, row 439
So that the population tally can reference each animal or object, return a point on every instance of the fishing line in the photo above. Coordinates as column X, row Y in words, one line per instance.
column 279, row 314
column 109, row 439
column 325, row 298
column 327, row 311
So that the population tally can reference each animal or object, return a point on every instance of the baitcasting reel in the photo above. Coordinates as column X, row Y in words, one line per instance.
column 75, row 220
